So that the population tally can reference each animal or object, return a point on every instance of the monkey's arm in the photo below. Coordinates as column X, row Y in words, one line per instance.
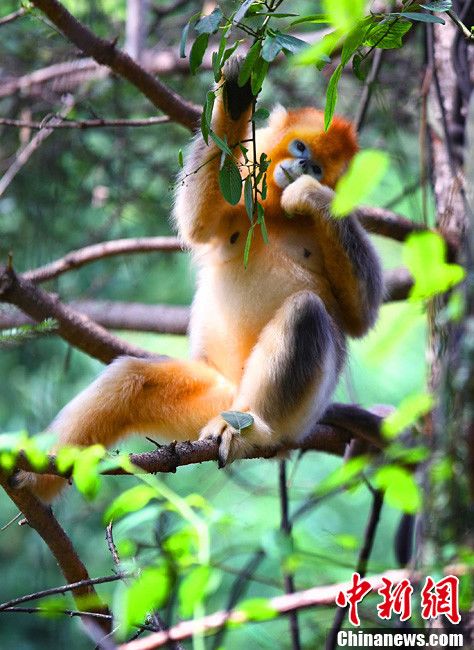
column 199, row 202
column 350, row 262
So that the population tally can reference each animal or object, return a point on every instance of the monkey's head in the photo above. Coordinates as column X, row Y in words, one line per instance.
column 297, row 144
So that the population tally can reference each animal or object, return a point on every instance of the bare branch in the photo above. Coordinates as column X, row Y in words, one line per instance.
column 116, row 315
column 367, row 90
column 317, row 596
column 76, row 259
column 380, row 221
column 41, row 518
column 84, row 124
column 106, row 53
column 73, row 326
column 13, row 16
column 25, row 153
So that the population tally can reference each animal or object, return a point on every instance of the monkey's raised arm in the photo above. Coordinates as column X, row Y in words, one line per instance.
column 199, row 201
column 350, row 262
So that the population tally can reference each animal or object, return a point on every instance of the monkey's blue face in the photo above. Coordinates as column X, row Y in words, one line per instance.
column 301, row 162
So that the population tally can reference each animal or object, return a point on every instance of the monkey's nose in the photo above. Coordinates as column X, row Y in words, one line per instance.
column 303, row 164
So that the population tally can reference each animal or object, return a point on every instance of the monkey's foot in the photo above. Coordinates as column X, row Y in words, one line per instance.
column 234, row 444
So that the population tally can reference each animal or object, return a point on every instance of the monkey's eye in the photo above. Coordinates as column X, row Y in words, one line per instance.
column 316, row 171
column 298, row 149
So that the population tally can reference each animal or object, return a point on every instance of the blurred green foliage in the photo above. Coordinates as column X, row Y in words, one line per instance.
column 82, row 187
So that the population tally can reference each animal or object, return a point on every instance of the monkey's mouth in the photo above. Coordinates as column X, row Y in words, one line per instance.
column 287, row 171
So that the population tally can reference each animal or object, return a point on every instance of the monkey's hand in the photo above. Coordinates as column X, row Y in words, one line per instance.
column 235, row 444
column 306, row 195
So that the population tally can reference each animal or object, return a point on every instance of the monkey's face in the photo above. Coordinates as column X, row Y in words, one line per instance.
column 297, row 144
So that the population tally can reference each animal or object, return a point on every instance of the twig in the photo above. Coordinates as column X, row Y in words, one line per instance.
column 27, row 151
column 107, row 53
column 73, row 586
column 236, row 592
column 41, row 518
column 367, row 90
column 85, row 124
column 73, row 327
column 364, row 555
column 317, row 596
column 13, row 16
column 111, row 544
column 116, row 315
column 80, row 257
column 458, row 22
column 285, row 526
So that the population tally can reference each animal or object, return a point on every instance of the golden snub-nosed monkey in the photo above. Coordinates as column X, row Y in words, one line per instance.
column 269, row 339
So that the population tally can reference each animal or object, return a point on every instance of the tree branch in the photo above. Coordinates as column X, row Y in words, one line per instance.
column 76, row 259
column 106, row 53
column 41, row 518
column 84, row 124
column 349, row 421
column 73, row 327
column 317, row 596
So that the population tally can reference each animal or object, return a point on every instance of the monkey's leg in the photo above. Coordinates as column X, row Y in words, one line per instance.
column 170, row 398
column 288, row 379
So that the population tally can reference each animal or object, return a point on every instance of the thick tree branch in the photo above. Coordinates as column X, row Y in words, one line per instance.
column 317, row 596
column 73, row 327
column 41, row 518
column 106, row 53
column 76, row 259
column 342, row 423
column 116, row 315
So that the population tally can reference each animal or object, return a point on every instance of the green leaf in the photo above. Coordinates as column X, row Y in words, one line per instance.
column 261, row 115
column 197, row 52
column 206, row 115
column 217, row 58
column 353, row 40
column 258, row 76
column 261, row 221
column 148, row 593
column 421, row 17
column 248, row 64
column 180, row 158
column 192, row 590
column 248, row 244
column 248, row 197
column 257, row 609
column 424, row 254
column 222, row 144
column 331, row 96
column 407, row 413
column 238, row 420
column 131, row 500
column 387, row 36
column 290, row 43
column 209, row 24
column 345, row 473
column 230, row 182
column 321, row 50
column 240, row 13
column 365, row 172
column 184, row 38
column 229, row 51
column 86, row 470
column 344, row 14
column 401, row 489
column 312, row 18
column 437, row 5
column 357, row 61
column 271, row 48
column 66, row 457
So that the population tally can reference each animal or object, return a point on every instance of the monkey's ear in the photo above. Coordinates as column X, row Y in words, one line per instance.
column 278, row 118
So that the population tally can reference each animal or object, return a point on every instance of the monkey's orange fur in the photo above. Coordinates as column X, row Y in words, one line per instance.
column 269, row 339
